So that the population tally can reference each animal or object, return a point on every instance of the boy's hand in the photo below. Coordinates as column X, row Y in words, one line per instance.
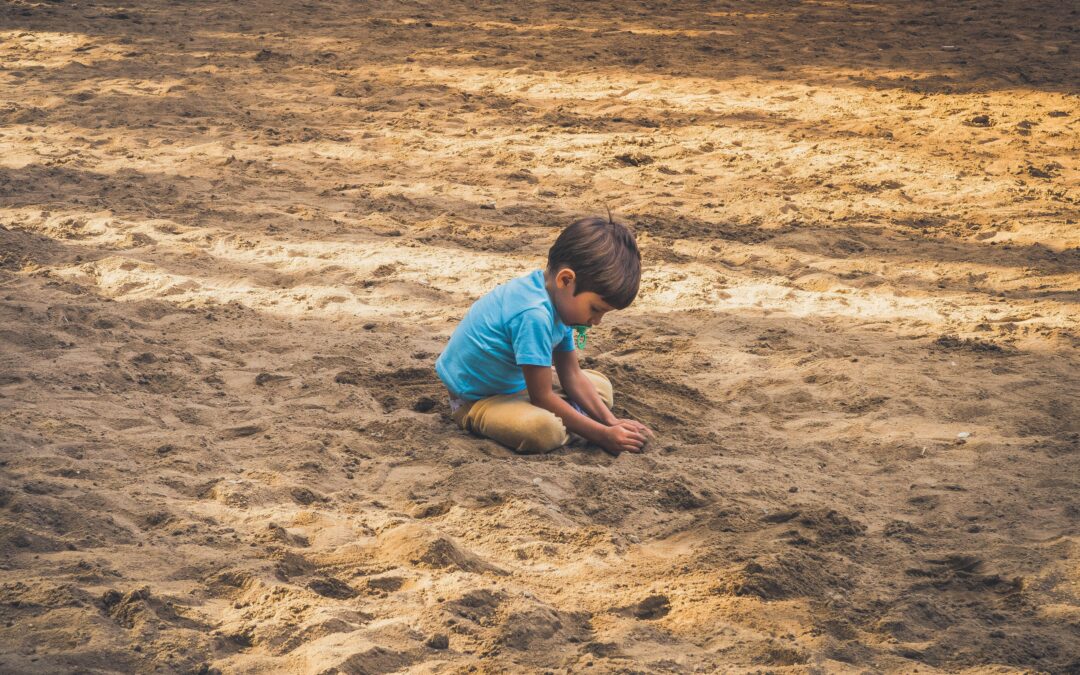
column 625, row 436
column 636, row 426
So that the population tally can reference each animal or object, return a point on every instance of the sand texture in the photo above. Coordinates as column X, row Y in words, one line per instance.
column 234, row 237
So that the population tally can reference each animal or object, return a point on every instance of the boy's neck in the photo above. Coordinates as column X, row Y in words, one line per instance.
column 549, row 286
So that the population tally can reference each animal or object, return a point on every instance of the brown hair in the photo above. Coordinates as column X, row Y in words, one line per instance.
column 604, row 257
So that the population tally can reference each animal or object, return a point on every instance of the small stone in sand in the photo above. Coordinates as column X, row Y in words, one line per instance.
column 652, row 607
column 330, row 587
column 440, row 641
column 347, row 377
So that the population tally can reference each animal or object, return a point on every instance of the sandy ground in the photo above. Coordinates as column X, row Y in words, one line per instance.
column 233, row 240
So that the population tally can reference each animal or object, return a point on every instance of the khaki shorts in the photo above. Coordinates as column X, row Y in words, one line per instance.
column 513, row 421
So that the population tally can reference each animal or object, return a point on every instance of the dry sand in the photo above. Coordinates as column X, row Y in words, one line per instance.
column 234, row 236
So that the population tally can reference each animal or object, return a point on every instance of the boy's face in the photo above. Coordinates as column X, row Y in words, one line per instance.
column 583, row 309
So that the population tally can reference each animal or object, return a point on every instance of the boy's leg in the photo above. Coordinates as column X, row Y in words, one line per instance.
column 515, row 422
column 599, row 380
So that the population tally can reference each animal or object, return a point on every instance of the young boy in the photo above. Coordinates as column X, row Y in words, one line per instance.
column 498, row 363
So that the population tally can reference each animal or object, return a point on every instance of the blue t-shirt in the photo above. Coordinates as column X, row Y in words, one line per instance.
column 512, row 326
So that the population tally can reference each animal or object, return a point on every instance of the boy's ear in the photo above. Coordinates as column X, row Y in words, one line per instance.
column 565, row 277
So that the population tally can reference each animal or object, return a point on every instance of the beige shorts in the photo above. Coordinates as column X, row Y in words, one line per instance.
column 513, row 421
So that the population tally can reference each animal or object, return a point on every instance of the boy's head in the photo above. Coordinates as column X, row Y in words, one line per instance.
column 594, row 266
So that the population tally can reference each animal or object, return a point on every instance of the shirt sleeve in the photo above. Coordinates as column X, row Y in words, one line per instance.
column 530, row 333
column 566, row 344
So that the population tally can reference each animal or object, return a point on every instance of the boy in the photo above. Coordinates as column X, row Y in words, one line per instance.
column 498, row 363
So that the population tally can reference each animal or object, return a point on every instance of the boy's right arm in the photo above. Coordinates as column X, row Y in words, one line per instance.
column 617, row 438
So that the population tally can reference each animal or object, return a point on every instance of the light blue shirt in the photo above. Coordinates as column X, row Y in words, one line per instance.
column 512, row 326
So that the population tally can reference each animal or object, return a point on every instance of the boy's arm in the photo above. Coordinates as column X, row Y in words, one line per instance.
column 612, row 438
column 581, row 389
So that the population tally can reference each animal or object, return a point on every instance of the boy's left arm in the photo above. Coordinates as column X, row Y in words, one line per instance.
column 581, row 389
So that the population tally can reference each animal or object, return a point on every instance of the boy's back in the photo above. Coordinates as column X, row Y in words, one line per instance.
column 514, row 325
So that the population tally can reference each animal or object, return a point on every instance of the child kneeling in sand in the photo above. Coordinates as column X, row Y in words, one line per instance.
column 498, row 363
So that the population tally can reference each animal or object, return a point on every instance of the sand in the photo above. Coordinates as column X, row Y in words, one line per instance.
column 235, row 236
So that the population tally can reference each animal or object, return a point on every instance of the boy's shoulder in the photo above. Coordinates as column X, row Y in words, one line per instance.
column 524, row 293
column 522, row 300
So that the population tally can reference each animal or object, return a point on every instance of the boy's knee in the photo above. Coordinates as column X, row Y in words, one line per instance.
column 603, row 386
column 542, row 433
